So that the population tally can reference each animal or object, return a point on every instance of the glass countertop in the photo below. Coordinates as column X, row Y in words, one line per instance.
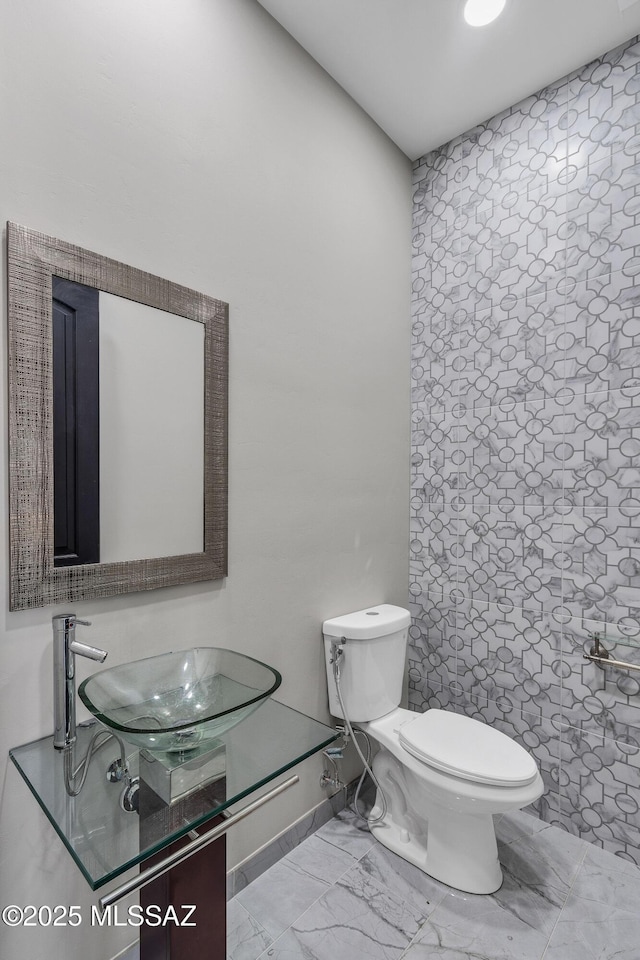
column 105, row 841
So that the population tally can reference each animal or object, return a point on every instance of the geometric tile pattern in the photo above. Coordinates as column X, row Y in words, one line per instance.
column 525, row 507
column 342, row 896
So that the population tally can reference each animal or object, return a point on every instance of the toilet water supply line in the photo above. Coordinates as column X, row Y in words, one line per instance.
column 337, row 653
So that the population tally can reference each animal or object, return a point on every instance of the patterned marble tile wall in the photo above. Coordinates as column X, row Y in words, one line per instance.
column 526, row 437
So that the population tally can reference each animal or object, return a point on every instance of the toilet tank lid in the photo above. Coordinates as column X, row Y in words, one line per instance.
column 369, row 623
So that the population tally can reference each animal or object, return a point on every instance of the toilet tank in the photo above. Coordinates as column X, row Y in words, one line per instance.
column 373, row 661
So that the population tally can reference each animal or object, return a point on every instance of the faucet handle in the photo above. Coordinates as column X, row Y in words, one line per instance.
column 83, row 623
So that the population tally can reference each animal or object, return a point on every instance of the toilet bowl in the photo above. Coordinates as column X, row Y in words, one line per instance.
column 440, row 819
column 443, row 775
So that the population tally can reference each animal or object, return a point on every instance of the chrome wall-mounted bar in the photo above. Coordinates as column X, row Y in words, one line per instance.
column 152, row 873
column 598, row 654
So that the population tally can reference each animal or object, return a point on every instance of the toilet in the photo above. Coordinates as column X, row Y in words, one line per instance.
column 443, row 775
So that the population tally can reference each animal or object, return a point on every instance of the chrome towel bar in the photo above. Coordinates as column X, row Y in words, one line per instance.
column 598, row 654
column 152, row 873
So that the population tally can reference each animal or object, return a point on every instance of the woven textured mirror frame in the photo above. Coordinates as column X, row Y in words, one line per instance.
column 33, row 259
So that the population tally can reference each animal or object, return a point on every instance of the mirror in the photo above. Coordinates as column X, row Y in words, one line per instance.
column 118, row 385
column 128, row 428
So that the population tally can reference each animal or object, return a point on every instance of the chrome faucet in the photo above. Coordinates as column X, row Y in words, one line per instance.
column 65, row 647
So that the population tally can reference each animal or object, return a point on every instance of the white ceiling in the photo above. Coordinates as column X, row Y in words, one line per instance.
column 425, row 76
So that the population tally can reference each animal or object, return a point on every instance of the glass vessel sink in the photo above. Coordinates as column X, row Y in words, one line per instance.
column 177, row 701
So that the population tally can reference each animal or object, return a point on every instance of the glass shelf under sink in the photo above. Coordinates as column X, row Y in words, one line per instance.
column 105, row 841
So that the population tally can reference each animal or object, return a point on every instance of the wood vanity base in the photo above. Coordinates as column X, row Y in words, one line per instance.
column 200, row 880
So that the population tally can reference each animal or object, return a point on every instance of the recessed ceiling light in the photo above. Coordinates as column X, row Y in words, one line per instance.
column 479, row 12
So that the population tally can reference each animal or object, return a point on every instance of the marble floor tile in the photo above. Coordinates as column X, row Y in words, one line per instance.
column 320, row 858
column 538, row 872
column 478, row 927
column 561, row 899
column 608, row 863
column 349, row 833
column 601, row 919
column 278, row 897
column 417, row 890
column 246, row 938
column 357, row 918
column 425, row 951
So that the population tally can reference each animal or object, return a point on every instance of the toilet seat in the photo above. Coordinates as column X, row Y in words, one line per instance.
column 466, row 748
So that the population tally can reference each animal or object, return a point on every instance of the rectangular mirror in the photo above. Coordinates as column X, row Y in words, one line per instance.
column 118, row 385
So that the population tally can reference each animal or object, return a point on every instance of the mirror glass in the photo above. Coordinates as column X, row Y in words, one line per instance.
column 128, row 428
column 118, row 421
column 151, row 432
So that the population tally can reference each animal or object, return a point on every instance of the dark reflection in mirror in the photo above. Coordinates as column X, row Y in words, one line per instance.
column 76, row 423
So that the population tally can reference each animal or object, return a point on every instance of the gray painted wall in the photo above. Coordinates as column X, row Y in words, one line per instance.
column 197, row 141
column 526, row 436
